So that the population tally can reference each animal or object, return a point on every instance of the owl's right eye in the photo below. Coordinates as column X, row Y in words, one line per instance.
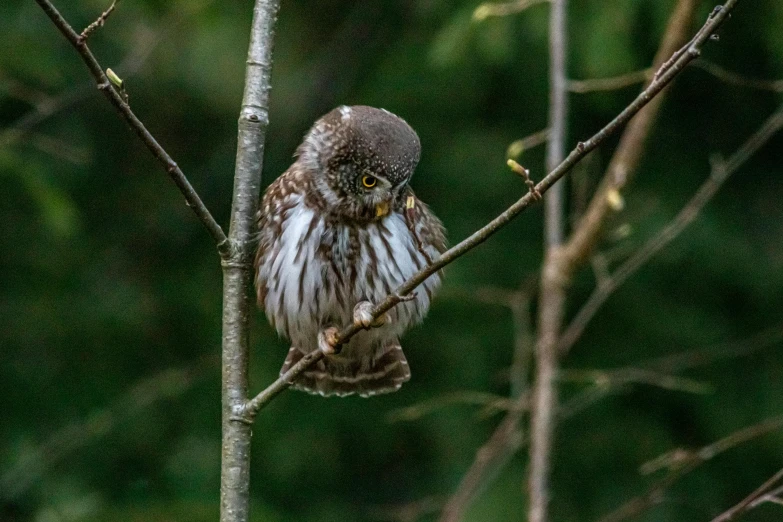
column 369, row 181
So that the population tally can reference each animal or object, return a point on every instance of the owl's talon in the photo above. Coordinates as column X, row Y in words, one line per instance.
column 327, row 341
column 362, row 316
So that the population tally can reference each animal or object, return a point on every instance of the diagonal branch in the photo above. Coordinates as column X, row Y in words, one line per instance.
column 104, row 85
column 733, row 78
column 691, row 52
column 751, row 500
column 99, row 21
column 489, row 461
column 720, row 172
column 611, row 83
column 680, row 462
column 625, row 80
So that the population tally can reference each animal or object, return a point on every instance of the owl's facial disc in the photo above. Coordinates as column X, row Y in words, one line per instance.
column 376, row 192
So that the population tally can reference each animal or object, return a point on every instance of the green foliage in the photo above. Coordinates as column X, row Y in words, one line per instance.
column 108, row 279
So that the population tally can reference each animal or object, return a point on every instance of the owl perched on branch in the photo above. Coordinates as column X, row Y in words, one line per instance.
column 341, row 229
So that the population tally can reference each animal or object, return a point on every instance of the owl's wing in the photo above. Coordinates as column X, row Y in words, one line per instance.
column 425, row 225
column 269, row 219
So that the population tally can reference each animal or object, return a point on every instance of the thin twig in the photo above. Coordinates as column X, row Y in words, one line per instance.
column 490, row 9
column 508, row 437
column 414, row 412
column 624, row 80
column 520, row 146
column 680, row 462
column 748, row 502
column 707, row 355
column 554, row 211
column 409, row 512
column 612, row 382
column 20, row 91
column 625, row 376
column 560, row 263
column 525, row 174
column 141, row 49
column 484, row 233
column 485, row 294
column 483, row 467
column 191, row 196
column 47, row 107
column 524, row 345
column 733, row 78
column 611, row 83
column 490, row 459
column 59, row 148
column 773, row 496
column 721, row 170
column 99, row 21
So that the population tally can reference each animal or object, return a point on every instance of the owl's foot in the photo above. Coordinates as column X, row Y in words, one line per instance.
column 362, row 316
column 327, row 341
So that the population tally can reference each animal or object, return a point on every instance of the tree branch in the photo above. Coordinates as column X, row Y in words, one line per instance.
column 690, row 53
column 507, row 438
column 611, row 83
column 750, row 501
column 490, row 459
column 99, row 21
column 689, row 359
column 104, row 85
column 733, row 78
column 489, row 9
column 551, row 305
column 720, row 172
column 680, row 462
column 624, row 80
column 558, row 110
column 520, row 146
column 238, row 269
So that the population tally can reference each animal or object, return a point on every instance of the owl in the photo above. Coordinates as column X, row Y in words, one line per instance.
column 341, row 229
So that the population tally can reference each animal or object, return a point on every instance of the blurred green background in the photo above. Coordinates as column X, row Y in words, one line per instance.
column 110, row 291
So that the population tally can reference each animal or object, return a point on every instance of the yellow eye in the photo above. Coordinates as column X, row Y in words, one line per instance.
column 369, row 181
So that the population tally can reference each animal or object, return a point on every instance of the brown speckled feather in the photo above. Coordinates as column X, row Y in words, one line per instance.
column 339, row 227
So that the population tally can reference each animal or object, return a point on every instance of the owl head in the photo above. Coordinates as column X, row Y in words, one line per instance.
column 361, row 159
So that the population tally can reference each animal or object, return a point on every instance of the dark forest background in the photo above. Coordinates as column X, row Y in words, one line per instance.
column 110, row 289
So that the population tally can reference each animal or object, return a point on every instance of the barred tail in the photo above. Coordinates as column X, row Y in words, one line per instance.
column 341, row 376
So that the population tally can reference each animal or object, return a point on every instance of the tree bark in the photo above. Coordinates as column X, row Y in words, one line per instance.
column 238, row 267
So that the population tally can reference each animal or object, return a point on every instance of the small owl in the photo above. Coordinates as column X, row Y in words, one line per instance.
column 341, row 229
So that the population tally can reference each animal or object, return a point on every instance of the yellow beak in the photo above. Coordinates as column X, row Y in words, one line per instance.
column 381, row 209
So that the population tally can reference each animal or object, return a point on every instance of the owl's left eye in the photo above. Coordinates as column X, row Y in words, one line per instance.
column 369, row 181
